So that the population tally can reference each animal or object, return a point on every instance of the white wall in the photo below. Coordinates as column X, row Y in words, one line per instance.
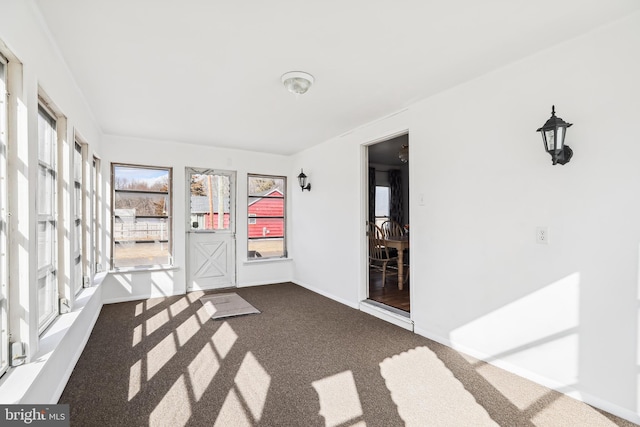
column 329, row 222
column 564, row 314
column 179, row 156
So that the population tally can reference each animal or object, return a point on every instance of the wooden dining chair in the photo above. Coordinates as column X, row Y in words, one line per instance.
column 379, row 256
column 391, row 228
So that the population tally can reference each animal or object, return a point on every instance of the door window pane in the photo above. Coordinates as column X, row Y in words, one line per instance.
column 210, row 201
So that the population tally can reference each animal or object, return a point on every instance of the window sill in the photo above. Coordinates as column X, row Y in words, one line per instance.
column 60, row 342
column 144, row 269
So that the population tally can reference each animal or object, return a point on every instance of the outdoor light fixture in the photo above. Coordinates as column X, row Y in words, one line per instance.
column 297, row 82
column 302, row 179
column 553, row 133
column 403, row 154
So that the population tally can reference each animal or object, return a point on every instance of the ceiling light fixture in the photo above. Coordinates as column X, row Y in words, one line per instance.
column 297, row 82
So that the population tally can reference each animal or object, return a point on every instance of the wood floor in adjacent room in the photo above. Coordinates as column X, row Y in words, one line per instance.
column 305, row 360
column 389, row 294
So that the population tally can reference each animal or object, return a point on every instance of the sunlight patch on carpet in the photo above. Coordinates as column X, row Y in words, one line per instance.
column 339, row 399
column 223, row 339
column 174, row 409
column 252, row 382
column 227, row 305
column 202, row 369
column 421, row 386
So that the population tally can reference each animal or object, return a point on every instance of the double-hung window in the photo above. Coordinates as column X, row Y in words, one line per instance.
column 141, row 216
column 46, row 203
column 266, row 218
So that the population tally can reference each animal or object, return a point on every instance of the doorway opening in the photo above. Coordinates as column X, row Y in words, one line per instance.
column 389, row 278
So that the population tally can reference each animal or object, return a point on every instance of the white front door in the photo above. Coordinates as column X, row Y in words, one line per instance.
column 211, row 236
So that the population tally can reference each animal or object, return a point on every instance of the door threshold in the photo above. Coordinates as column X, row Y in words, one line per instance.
column 387, row 313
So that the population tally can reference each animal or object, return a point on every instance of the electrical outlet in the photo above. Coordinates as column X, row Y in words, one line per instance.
column 542, row 235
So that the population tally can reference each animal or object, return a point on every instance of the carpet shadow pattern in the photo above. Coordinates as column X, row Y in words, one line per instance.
column 305, row 361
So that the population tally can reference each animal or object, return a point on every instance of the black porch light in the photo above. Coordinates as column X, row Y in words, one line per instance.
column 553, row 134
column 302, row 180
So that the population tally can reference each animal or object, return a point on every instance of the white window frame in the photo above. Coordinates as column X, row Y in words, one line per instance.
column 78, row 251
column 94, row 214
column 252, row 219
column 51, row 268
column 4, row 223
column 168, row 216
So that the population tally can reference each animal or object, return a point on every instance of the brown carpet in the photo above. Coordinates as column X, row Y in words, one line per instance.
column 305, row 361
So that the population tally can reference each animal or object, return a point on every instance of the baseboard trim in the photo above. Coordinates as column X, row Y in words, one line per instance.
column 537, row 378
column 326, row 294
column 261, row 283
column 129, row 298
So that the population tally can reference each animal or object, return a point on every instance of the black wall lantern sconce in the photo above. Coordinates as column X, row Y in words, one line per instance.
column 553, row 134
column 302, row 180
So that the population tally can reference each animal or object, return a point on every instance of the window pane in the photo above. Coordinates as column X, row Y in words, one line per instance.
column 266, row 222
column 46, row 181
column 77, row 273
column 130, row 205
column 46, row 137
column 265, row 248
column 135, row 254
column 46, row 297
column 46, row 207
column 77, row 163
column 77, row 206
column 142, row 179
column 130, row 229
column 45, row 244
column 267, row 227
column 264, row 185
column 77, row 238
column 382, row 201
column 266, row 206
column 141, row 216
column 210, row 195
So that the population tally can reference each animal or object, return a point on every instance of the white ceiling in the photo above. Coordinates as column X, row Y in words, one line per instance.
column 208, row 71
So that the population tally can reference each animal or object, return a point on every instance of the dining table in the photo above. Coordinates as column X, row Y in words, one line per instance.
column 400, row 243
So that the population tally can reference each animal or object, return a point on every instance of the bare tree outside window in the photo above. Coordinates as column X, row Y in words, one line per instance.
column 141, row 216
